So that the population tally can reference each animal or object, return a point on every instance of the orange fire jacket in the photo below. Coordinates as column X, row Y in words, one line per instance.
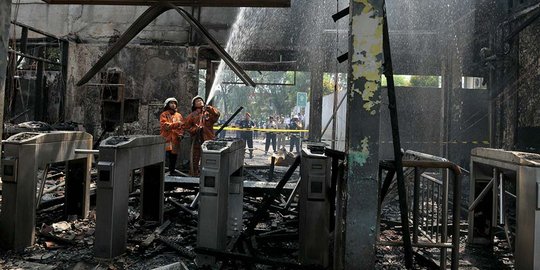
column 201, row 125
column 171, row 129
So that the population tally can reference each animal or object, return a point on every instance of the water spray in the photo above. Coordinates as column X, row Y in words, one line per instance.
column 217, row 81
column 231, row 42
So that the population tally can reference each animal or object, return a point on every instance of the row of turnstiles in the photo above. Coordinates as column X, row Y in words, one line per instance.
column 220, row 200
column 25, row 153
column 221, row 192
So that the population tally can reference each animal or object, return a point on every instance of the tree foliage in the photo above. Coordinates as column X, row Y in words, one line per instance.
column 399, row 81
column 425, row 81
column 275, row 93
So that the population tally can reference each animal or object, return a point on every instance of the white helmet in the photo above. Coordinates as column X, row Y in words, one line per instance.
column 193, row 102
column 197, row 97
column 169, row 100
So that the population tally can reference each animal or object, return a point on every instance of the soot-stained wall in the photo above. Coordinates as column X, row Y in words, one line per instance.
column 151, row 74
column 420, row 116
column 528, row 97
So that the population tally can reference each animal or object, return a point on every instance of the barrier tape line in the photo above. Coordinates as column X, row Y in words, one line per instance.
column 382, row 142
column 450, row 142
column 423, row 142
column 263, row 129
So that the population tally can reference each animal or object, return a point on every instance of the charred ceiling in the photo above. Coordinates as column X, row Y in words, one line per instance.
column 208, row 3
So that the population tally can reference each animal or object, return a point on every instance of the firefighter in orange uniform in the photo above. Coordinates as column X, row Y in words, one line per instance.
column 200, row 124
column 172, row 130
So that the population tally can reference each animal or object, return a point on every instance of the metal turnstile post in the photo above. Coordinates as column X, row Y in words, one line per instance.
column 24, row 154
column 118, row 158
column 492, row 170
column 221, row 195
column 314, row 204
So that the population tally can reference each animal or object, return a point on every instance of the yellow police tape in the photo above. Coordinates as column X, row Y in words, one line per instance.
column 262, row 129
column 382, row 142
column 436, row 142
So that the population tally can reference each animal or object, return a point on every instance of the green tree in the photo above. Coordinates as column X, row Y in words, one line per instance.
column 275, row 93
column 328, row 83
column 425, row 81
column 399, row 81
column 276, row 97
column 229, row 95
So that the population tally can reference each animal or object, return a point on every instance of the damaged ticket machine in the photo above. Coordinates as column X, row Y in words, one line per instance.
column 221, row 195
column 505, row 193
column 24, row 154
column 314, row 204
column 118, row 158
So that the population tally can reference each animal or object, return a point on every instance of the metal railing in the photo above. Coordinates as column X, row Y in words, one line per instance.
column 428, row 202
column 429, row 211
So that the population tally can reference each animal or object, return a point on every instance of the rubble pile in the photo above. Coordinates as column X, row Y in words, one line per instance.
column 67, row 242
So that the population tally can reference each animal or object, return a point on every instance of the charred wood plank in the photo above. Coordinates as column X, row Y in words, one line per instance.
column 255, row 176
column 280, row 237
column 272, row 167
column 180, row 206
column 181, row 250
column 224, row 255
column 148, row 241
column 267, row 202
column 56, row 239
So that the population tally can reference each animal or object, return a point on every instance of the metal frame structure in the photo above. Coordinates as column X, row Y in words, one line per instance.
column 24, row 154
column 269, row 83
column 315, row 206
column 146, row 18
column 198, row 3
column 118, row 158
column 221, row 195
column 24, row 44
column 492, row 170
column 423, row 196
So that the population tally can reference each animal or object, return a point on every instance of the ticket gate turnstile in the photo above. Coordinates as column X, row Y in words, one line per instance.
column 119, row 156
column 24, row 154
column 221, row 195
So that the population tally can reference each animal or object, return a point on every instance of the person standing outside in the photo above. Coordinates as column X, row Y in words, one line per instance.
column 280, row 135
column 247, row 135
column 295, row 136
column 270, row 136
column 301, row 118
column 200, row 124
column 171, row 128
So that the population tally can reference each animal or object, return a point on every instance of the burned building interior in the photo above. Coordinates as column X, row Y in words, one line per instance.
column 405, row 134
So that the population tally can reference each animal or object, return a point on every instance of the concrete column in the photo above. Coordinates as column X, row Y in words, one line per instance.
column 5, row 17
column 451, row 83
column 315, row 107
column 362, row 141
column 451, row 72
column 446, row 71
